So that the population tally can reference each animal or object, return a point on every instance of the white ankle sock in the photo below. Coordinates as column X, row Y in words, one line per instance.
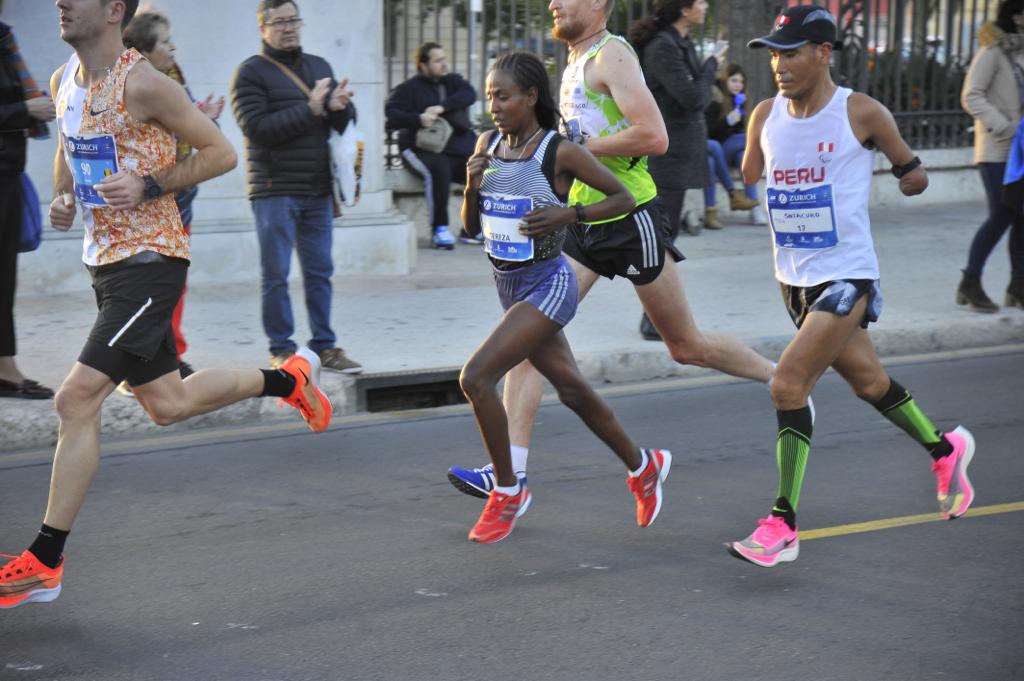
column 519, row 455
column 510, row 491
column 643, row 464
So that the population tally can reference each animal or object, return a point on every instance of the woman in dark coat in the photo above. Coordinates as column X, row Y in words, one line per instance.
column 681, row 84
column 24, row 110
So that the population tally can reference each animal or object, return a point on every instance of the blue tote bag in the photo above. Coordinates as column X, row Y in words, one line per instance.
column 32, row 217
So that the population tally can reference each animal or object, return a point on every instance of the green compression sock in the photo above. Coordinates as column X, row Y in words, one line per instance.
column 791, row 451
column 898, row 406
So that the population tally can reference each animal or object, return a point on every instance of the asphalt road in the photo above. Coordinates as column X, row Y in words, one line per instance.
column 273, row 554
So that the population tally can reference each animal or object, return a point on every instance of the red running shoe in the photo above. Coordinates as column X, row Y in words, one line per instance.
column 646, row 487
column 312, row 403
column 499, row 516
column 26, row 580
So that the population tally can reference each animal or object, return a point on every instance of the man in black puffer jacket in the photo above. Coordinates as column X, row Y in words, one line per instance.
column 287, row 102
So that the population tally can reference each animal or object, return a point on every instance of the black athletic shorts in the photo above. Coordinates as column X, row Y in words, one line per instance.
column 132, row 338
column 837, row 297
column 632, row 247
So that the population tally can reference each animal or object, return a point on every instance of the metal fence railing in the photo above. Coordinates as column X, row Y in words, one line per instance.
column 911, row 55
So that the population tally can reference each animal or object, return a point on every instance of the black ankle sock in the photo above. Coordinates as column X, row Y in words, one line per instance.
column 49, row 545
column 941, row 449
column 784, row 510
column 277, row 383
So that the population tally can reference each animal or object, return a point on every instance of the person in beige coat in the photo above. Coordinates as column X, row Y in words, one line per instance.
column 992, row 94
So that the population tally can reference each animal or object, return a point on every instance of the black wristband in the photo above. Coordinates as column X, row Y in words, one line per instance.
column 900, row 171
column 580, row 217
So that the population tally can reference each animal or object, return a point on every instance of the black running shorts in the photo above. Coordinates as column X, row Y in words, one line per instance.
column 132, row 338
column 632, row 247
column 836, row 297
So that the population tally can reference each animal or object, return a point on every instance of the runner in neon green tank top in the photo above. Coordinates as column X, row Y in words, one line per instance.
column 587, row 114
column 609, row 109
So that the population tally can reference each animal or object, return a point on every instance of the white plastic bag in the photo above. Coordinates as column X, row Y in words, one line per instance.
column 347, row 163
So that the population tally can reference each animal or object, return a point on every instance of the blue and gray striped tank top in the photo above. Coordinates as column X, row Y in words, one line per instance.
column 533, row 177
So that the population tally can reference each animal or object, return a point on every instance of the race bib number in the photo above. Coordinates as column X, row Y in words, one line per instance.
column 500, row 217
column 90, row 159
column 803, row 218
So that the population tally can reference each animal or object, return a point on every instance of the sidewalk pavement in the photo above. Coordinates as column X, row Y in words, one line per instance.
column 434, row 318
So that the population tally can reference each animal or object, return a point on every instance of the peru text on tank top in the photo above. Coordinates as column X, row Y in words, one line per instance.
column 586, row 113
column 99, row 137
column 509, row 190
column 818, row 178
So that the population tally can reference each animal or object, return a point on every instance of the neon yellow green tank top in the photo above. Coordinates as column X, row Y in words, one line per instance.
column 593, row 114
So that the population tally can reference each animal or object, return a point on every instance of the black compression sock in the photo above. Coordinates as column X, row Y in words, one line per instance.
column 49, row 545
column 277, row 383
column 898, row 406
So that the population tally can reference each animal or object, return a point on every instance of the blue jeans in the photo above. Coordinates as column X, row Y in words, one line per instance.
column 305, row 222
column 991, row 231
column 721, row 157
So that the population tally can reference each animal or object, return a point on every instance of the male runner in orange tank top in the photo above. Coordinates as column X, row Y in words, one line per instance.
column 137, row 254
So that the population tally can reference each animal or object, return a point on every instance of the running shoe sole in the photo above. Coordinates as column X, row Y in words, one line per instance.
column 666, row 464
column 961, row 471
column 783, row 556
column 37, row 596
column 465, row 487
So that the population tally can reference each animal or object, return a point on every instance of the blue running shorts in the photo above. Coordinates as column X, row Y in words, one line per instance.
column 549, row 285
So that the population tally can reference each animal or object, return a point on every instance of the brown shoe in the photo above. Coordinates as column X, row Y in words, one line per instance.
column 971, row 293
column 711, row 219
column 280, row 358
column 740, row 201
column 336, row 360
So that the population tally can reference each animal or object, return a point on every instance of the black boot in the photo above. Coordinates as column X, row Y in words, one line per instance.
column 970, row 292
column 647, row 329
column 1015, row 291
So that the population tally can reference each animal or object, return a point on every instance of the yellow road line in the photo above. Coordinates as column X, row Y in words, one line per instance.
column 902, row 521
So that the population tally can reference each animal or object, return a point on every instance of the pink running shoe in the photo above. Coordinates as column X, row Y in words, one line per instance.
column 771, row 543
column 955, row 493
column 646, row 487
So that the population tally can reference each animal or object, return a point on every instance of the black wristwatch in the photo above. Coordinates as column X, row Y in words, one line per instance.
column 900, row 171
column 153, row 190
column 580, row 217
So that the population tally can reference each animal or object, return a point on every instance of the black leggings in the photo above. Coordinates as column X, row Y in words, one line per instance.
column 10, row 239
column 1000, row 217
column 438, row 172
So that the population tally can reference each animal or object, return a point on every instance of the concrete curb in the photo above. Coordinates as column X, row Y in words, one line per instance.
column 33, row 424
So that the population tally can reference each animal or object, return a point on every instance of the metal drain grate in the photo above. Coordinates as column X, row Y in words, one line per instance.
column 400, row 391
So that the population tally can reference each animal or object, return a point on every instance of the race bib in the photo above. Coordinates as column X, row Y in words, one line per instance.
column 803, row 218
column 90, row 159
column 500, row 217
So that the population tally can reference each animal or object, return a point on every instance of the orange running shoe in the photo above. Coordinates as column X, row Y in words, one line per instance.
column 646, row 487
column 499, row 516
column 304, row 367
column 26, row 580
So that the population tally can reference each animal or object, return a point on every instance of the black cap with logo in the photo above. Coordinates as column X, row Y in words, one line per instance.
column 798, row 26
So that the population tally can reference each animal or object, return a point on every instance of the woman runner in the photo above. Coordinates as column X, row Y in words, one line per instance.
column 518, row 180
